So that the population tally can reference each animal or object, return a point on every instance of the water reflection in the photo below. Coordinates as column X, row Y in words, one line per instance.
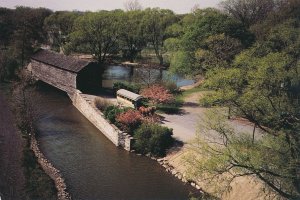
column 122, row 73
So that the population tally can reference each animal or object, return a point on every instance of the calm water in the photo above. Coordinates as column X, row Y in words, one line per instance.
column 122, row 73
column 92, row 166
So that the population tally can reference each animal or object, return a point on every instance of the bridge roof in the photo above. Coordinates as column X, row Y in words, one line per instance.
column 61, row 61
column 129, row 95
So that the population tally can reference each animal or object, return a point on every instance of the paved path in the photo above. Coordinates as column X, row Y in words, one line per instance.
column 12, row 179
column 185, row 124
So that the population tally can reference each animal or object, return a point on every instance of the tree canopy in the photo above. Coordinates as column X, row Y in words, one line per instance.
column 262, row 85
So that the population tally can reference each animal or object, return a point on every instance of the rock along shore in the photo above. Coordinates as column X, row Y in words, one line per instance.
column 50, row 170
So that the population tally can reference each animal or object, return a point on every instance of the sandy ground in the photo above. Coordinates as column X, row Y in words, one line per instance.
column 185, row 129
column 12, row 179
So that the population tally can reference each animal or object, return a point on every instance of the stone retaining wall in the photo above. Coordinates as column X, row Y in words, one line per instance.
column 88, row 109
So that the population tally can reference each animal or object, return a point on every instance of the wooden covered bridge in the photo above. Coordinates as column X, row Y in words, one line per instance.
column 65, row 72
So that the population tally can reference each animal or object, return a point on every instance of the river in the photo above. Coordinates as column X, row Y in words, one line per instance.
column 93, row 167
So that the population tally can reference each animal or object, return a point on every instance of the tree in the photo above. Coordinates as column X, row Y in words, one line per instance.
column 132, row 37
column 153, row 139
column 210, row 39
column 155, row 22
column 218, row 51
column 29, row 32
column 6, row 26
column 147, row 75
column 96, row 33
column 21, row 31
column 8, row 66
column 157, row 94
column 131, row 5
column 286, row 10
column 220, row 159
column 58, row 26
column 248, row 12
column 263, row 86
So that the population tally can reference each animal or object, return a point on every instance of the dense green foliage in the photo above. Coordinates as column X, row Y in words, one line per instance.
column 58, row 26
column 132, row 36
column 153, row 139
column 155, row 23
column 116, row 32
column 133, row 87
column 262, row 84
column 209, row 39
column 21, row 32
column 95, row 33
column 111, row 113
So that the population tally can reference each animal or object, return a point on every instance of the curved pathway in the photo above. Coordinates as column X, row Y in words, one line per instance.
column 185, row 124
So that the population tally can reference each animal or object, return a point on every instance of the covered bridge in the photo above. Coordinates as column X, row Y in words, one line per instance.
column 129, row 98
column 65, row 72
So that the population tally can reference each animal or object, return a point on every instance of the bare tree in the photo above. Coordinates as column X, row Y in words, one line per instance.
column 147, row 75
column 195, row 8
column 132, row 5
column 248, row 12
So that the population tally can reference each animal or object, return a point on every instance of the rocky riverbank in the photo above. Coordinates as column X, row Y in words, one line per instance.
column 175, row 170
column 50, row 170
column 42, row 179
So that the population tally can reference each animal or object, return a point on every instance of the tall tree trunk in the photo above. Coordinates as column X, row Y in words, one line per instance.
column 161, row 59
column 253, row 133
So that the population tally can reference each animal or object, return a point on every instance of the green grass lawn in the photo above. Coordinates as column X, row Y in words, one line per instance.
column 174, row 108
column 180, row 97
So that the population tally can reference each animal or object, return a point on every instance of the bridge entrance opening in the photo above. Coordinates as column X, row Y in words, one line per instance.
column 89, row 79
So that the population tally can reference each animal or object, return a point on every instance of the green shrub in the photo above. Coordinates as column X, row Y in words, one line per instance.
column 111, row 113
column 153, row 138
column 133, row 87
column 101, row 103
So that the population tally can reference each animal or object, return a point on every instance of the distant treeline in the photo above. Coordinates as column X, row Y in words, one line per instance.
column 172, row 38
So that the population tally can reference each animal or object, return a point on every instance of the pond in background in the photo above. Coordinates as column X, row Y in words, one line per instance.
column 115, row 73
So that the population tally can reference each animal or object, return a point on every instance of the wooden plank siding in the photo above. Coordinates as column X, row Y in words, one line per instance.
column 65, row 72
column 59, row 78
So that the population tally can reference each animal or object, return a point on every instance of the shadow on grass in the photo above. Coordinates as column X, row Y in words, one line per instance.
column 38, row 184
column 169, row 109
